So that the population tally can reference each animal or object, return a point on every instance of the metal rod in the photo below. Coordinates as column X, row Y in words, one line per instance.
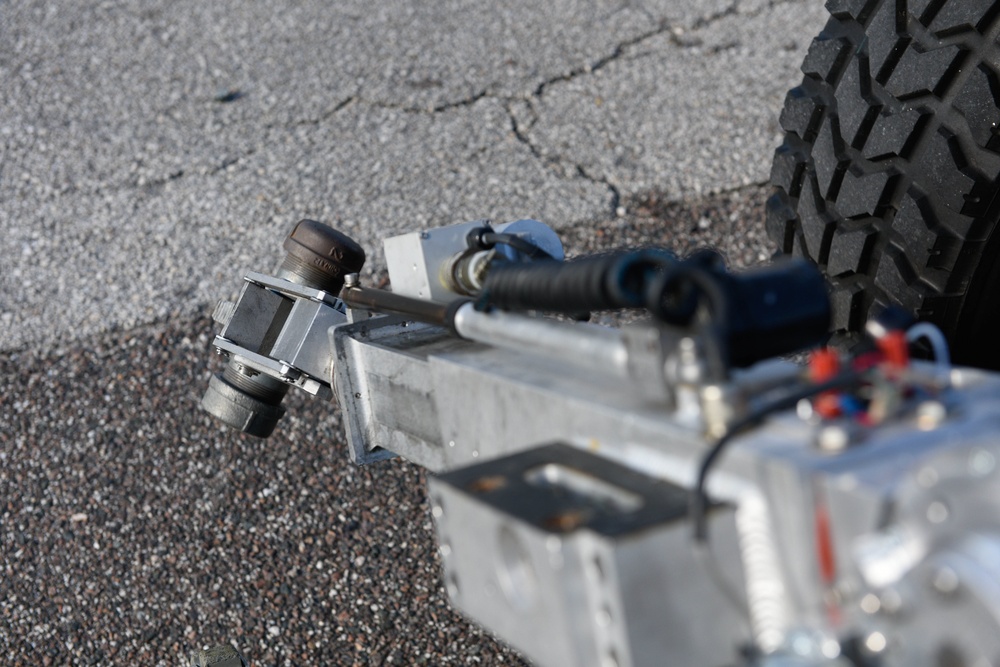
column 368, row 298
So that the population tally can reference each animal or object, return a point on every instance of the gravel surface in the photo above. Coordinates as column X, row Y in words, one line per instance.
column 134, row 529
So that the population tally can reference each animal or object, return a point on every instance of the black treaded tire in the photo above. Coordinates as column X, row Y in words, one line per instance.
column 889, row 171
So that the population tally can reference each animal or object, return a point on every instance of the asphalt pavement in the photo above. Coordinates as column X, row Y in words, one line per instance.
column 153, row 152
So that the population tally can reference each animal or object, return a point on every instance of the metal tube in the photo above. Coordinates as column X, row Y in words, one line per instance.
column 581, row 344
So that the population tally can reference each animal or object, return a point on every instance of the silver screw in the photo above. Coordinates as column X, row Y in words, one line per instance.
column 876, row 642
column 982, row 463
column 930, row 415
column 937, row 512
column 833, row 438
column 946, row 581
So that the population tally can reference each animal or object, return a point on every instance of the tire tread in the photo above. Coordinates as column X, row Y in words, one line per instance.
column 890, row 165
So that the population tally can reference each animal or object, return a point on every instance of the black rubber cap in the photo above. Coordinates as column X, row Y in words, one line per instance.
column 321, row 255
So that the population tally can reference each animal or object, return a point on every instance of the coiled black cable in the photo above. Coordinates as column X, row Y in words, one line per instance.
column 599, row 282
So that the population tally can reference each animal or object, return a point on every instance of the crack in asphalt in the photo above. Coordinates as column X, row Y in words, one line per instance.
column 601, row 63
column 551, row 162
column 337, row 108
column 521, row 134
column 616, row 194
column 432, row 110
column 559, row 165
column 621, row 51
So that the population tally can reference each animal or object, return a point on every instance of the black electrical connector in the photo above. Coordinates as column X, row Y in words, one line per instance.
column 484, row 238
